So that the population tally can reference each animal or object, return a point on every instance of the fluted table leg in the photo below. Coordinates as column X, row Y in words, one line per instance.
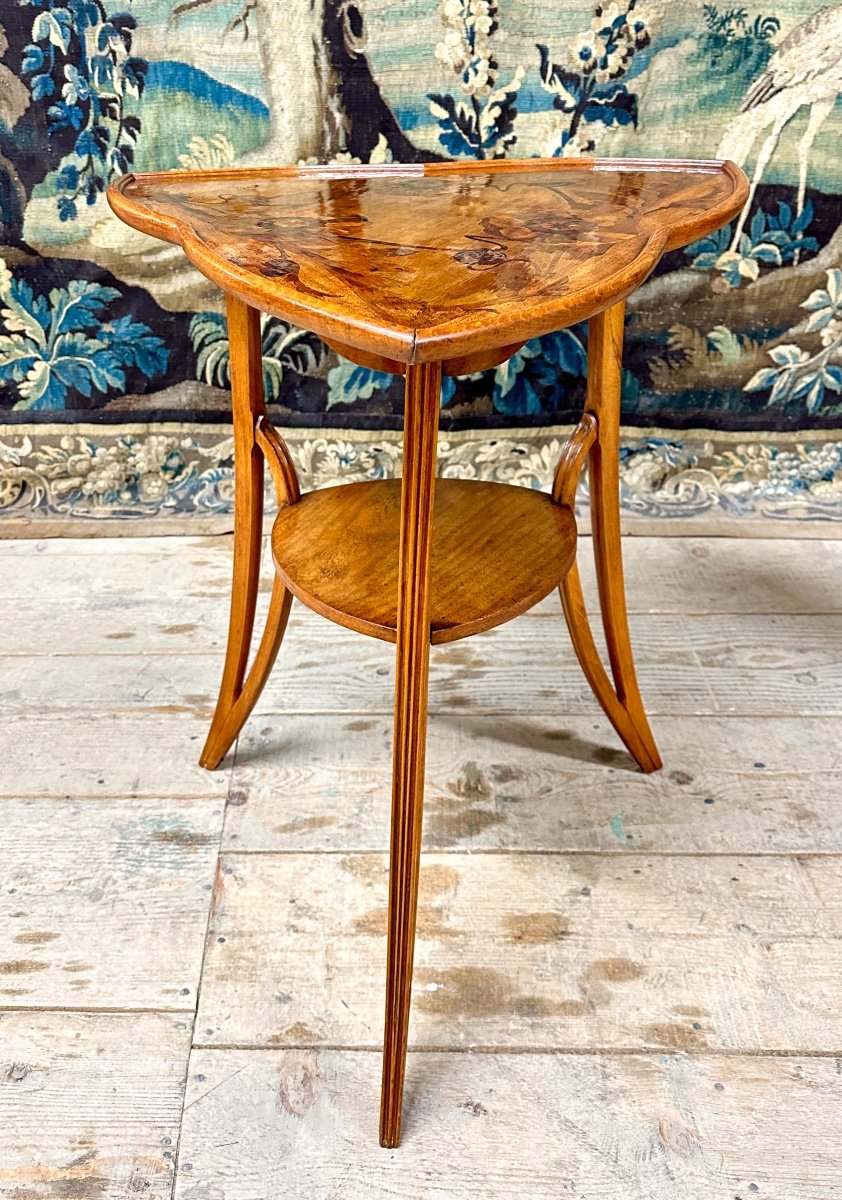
column 423, row 387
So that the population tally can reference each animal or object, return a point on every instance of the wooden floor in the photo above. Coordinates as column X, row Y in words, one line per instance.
column 627, row 986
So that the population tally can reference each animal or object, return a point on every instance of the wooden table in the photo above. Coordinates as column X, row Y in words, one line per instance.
column 423, row 271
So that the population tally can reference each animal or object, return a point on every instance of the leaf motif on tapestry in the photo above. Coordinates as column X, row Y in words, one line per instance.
column 482, row 124
column 50, row 348
column 285, row 348
column 774, row 240
column 79, row 64
column 521, row 384
column 798, row 374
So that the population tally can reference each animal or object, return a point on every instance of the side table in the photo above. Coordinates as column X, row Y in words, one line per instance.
column 425, row 270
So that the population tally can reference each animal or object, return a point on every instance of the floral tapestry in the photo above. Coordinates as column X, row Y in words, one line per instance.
column 114, row 363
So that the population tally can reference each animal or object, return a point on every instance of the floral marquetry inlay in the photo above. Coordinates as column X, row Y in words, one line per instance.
column 426, row 262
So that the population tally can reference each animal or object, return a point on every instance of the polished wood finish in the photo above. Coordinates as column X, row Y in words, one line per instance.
column 239, row 693
column 424, row 270
column 418, row 485
column 572, row 459
column 464, row 364
column 622, row 703
column 485, row 568
column 279, row 460
column 433, row 261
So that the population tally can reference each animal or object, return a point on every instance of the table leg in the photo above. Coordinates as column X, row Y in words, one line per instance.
column 621, row 703
column 238, row 693
column 423, row 389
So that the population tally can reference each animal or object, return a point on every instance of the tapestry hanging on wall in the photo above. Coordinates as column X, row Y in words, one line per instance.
column 113, row 349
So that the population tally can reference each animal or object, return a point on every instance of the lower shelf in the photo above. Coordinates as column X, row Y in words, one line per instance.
column 497, row 550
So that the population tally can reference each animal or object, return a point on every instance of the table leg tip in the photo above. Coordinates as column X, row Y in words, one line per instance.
column 390, row 1128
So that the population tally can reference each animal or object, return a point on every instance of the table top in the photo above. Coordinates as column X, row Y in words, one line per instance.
column 431, row 261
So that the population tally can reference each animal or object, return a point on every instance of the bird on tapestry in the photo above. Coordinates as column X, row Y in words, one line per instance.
column 805, row 70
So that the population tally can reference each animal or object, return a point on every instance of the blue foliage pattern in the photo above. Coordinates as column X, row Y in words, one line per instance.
column 736, row 338
column 481, row 125
column 80, row 65
column 773, row 240
column 521, row 383
column 50, row 349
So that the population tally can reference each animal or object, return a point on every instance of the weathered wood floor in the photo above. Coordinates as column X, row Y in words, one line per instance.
column 627, row 987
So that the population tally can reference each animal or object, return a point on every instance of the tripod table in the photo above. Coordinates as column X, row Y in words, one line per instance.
column 428, row 270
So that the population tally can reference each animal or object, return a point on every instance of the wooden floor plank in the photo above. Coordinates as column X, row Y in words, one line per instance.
column 665, row 575
column 744, row 664
column 105, row 624
column 124, row 754
column 528, row 950
column 95, row 686
column 109, row 548
column 104, row 902
column 654, row 954
column 153, row 569
column 90, row 1104
column 729, row 784
column 823, row 878
column 153, row 601
column 170, row 595
column 547, row 1127
column 728, row 575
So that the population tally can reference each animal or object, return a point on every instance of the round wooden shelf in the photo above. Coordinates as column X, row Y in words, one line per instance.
column 497, row 550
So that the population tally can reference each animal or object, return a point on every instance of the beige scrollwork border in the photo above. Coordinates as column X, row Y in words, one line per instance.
column 177, row 477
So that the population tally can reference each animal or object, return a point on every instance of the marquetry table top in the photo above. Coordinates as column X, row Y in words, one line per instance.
column 425, row 262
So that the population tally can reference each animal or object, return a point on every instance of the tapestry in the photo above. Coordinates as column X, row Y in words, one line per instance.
column 114, row 361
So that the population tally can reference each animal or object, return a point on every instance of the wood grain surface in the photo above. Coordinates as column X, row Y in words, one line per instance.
column 620, row 700
column 90, row 1104
column 104, row 901
column 749, row 664
column 534, row 783
column 564, row 951
column 412, row 664
column 497, row 550
column 435, row 261
column 239, row 690
column 671, row 1034
column 600, row 1127
column 165, row 595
